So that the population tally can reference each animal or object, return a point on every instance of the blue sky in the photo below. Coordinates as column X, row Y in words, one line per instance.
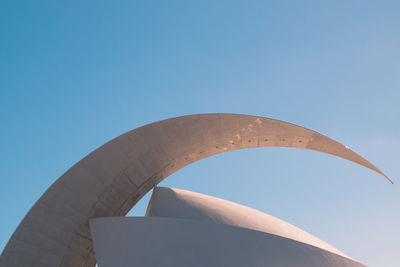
column 75, row 74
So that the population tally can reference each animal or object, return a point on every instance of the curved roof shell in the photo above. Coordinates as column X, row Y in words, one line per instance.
column 171, row 242
column 178, row 203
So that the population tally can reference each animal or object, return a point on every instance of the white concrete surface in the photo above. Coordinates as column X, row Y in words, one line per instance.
column 171, row 242
column 178, row 203
column 111, row 179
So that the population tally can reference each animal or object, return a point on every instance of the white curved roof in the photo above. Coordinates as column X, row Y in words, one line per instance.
column 177, row 203
column 172, row 242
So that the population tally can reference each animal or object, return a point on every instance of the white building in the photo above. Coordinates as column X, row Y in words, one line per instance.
column 183, row 228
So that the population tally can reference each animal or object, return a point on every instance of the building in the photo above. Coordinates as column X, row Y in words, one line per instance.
column 183, row 228
column 110, row 180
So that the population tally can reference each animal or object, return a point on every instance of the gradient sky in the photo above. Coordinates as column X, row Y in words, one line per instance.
column 75, row 74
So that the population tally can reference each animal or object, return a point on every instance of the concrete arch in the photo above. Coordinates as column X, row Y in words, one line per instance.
column 111, row 179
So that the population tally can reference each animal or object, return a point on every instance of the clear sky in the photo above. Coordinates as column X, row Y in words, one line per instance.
column 75, row 74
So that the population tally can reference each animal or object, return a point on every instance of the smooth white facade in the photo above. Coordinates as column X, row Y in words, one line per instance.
column 178, row 203
column 189, row 229
column 169, row 242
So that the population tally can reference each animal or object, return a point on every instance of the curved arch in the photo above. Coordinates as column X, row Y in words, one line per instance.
column 111, row 179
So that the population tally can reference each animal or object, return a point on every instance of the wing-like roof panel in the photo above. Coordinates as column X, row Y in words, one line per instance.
column 178, row 203
column 171, row 242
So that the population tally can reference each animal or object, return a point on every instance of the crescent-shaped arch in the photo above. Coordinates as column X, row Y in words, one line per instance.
column 111, row 179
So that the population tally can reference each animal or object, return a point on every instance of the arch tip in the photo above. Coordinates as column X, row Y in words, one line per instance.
column 387, row 178
column 390, row 180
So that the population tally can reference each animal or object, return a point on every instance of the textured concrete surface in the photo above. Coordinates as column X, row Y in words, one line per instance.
column 178, row 203
column 171, row 242
column 111, row 179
